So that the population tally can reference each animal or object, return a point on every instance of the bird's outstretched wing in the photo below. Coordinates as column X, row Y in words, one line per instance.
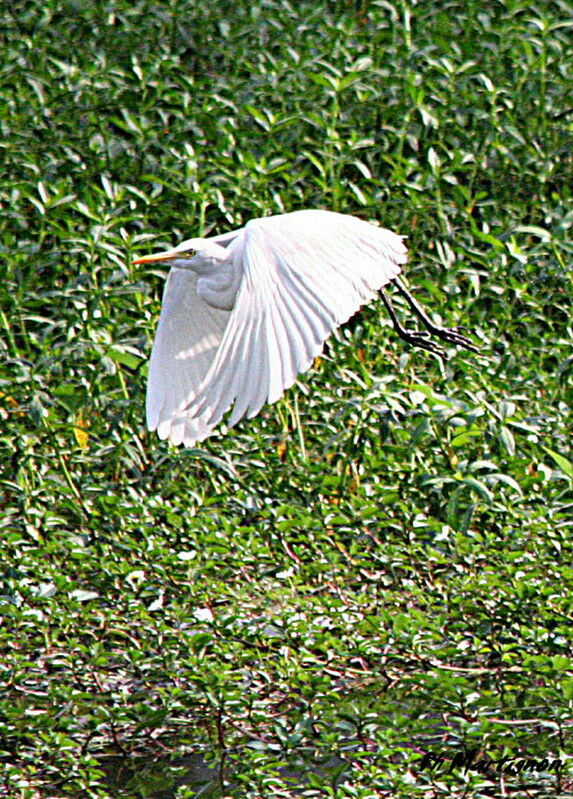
column 188, row 337
column 304, row 274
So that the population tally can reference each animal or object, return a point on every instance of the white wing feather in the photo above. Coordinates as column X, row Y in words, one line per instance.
column 188, row 336
column 305, row 273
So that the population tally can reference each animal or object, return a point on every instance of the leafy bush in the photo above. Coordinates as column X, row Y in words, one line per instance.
column 376, row 567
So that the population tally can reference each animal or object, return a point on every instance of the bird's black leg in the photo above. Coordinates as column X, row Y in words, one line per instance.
column 417, row 338
column 448, row 334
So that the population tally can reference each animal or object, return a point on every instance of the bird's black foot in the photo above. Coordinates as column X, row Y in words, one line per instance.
column 453, row 336
column 420, row 338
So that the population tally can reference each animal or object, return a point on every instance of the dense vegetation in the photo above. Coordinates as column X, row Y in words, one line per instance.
column 377, row 567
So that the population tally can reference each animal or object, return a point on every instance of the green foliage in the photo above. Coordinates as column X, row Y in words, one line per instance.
column 375, row 567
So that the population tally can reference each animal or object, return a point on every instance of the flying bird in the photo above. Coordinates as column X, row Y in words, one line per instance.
column 245, row 312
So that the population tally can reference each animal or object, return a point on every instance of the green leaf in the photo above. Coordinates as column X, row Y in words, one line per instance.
column 507, row 439
column 125, row 358
column 565, row 465
column 479, row 488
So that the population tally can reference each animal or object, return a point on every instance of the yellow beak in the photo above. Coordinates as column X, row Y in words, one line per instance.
column 167, row 255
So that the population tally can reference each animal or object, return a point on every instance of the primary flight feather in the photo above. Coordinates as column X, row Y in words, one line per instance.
column 245, row 312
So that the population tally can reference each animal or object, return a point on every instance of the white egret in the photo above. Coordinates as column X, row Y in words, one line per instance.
column 245, row 312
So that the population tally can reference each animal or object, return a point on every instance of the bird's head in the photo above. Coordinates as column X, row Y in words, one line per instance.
column 195, row 254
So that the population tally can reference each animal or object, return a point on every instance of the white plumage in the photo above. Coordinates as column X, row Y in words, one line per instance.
column 245, row 312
